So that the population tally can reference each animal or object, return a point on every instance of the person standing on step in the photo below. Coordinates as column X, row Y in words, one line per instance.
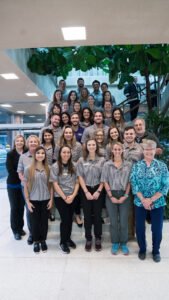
column 66, row 186
column 39, row 197
column 25, row 160
column 89, row 173
column 14, row 188
column 115, row 176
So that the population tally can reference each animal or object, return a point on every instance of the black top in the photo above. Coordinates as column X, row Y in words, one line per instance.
column 11, row 165
column 149, row 136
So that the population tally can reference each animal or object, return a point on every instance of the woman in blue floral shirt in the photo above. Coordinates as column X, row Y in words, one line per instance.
column 150, row 183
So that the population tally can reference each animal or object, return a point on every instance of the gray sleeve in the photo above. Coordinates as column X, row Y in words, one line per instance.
column 56, row 152
column 20, row 165
column 26, row 174
column 79, row 167
column 104, row 177
column 85, row 136
column 53, row 173
column 79, row 150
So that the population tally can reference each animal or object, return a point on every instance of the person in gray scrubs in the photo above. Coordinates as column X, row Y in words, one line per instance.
column 25, row 160
column 115, row 176
column 89, row 172
column 66, row 185
column 39, row 197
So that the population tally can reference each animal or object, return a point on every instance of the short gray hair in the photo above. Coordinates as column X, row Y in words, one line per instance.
column 149, row 144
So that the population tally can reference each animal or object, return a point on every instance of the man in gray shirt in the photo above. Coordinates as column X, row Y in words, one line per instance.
column 132, row 150
column 98, row 123
column 54, row 126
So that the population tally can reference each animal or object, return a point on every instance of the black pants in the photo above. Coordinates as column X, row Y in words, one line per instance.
column 134, row 111
column 39, row 220
column 17, row 202
column 78, row 204
column 92, row 211
column 66, row 212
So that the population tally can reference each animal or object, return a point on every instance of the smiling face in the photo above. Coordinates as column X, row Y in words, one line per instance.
column 75, row 119
column 19, row 143
column 139, row 126
column 98, row 118
column 76, row 107
column 48, row 137
column 68, row 134
column 40, row 155
column 117, row 151
column 65, row 119
column 107, row 96
column 114, row 134
column 91, row 100
column 58, row 96
column 86, row 114
column 91, row 146
column 117, row 115
column 33, row 143
column 65, row 154
column 55, row 121
column 100, row 137
column 73, row 97
column 129, row 136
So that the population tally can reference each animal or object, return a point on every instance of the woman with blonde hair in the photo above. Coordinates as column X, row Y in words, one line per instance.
column 38, row 195
column 100, row 138
column 25, row 160
column 14, row 187
column 115, row 176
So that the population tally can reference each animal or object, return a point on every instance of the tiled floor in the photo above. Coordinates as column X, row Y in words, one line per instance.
column 80, row 275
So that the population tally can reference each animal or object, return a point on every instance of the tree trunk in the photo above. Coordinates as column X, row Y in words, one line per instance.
column 148, row 92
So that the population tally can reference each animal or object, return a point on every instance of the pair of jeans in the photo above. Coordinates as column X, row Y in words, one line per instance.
column 16, row 201
column 156, row 228
column 118, row 214
column 66, row 212
column 92, row 214
column 39, row 220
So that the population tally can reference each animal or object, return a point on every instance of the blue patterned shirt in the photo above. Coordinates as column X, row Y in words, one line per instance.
column 149, row 180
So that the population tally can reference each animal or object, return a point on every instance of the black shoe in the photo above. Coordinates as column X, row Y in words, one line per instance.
column 17, row 236
column 88, row 246
column 98, row 245
column 65, row 249
column 22, row 232
column 36, row 248
column 44, row 246
column 71, row 244
column 30, row 240
column 157, row 257
column 78, row 221
column 142, row 255
column 52, row 217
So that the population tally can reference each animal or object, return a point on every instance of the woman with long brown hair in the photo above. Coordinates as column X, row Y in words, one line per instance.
column 68, row 139
column 65, row 183
column 38, row 195
column 89, row 172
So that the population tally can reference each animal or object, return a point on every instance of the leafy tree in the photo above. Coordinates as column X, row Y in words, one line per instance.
column 120, row 62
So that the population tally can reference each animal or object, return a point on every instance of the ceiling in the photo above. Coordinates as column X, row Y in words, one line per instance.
column 37, row 23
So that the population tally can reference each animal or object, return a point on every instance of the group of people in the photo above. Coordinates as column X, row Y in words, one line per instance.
column 88, row 161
